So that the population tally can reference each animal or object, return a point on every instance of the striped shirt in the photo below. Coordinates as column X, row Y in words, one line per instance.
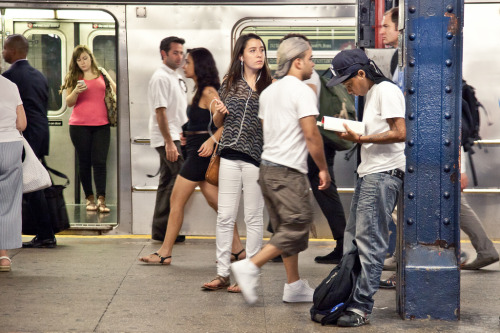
column 242, row 126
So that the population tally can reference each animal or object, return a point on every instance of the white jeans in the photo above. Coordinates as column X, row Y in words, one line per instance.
column 233, row 176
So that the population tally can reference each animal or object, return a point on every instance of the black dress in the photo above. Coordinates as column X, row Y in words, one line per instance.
column 195, row 166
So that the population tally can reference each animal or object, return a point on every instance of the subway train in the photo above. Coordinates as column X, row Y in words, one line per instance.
column 125, row 38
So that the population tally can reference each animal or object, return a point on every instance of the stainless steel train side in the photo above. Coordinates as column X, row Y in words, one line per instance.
column 140, row 27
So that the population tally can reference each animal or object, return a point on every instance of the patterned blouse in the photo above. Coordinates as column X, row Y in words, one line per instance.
column 242, row 126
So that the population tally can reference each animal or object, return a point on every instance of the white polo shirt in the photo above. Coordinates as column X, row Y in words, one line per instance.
column 281, row 106
column 167, row 89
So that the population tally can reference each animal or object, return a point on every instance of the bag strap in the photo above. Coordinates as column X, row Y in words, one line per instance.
column 214, row 153
column 106, row 80
column 55, row 172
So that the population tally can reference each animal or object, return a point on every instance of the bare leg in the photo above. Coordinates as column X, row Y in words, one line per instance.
column 182, row 191
column 267, row 253
column 292, row 268
column 291, row 263
column 210, row 193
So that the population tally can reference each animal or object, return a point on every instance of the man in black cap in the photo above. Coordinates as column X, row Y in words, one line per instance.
column 380, row 173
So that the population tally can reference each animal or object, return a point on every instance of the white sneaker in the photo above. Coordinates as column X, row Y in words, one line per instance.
column 246, row 274
column 298, row 291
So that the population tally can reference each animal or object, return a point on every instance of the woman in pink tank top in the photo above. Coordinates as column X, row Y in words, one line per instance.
column 89, row 127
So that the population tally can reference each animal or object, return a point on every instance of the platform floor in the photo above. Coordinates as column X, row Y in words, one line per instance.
column 96, row 284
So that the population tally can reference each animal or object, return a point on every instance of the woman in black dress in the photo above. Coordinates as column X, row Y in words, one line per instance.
column 200, row 67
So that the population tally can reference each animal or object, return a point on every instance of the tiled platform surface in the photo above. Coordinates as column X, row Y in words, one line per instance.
column 96, row 284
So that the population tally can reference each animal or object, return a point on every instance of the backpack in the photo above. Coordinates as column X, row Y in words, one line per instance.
column 470, row 116
column 332, row 296
column 335, row 102
column 471, row 122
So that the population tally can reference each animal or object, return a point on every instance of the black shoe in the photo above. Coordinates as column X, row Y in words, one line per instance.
column 38, row 243
column 331, row 258
column 352, row 319
column 180, row 239
column 390, row 283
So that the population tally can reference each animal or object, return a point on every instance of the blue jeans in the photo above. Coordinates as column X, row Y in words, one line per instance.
column 372, row 204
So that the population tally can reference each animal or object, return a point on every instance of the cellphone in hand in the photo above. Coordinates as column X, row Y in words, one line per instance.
column 81, row 82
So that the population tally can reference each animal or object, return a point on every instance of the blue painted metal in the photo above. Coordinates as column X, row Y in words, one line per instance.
column 429, row 231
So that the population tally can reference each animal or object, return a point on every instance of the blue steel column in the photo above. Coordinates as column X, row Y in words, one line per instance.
column 429, row 281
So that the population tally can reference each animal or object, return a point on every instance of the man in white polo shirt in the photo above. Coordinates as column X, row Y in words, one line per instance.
column 167, row 104
column 288, row 112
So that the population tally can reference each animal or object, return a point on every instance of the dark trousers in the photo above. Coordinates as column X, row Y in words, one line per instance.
column 40, row 211
column 328, row 200
column 38, row 204
column 168, row 174
column 92, row 146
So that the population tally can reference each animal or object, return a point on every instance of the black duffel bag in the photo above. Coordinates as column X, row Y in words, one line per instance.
column 56, row 204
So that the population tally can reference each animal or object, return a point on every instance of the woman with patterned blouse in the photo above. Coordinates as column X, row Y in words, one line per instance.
column 240, row 148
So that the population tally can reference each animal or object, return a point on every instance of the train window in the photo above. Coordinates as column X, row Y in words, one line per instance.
column 326, row 41
column 45, row 54
column 104, row 48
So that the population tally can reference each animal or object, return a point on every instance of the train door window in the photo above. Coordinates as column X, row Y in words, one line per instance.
column 327, row 36
column 104, row 49
column 45, row 54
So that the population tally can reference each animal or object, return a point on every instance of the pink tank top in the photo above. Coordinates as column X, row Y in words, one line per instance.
column 90, row 109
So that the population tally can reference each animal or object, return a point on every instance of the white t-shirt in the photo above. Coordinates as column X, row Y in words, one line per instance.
column 383, row 101
column 9, row 101
column 281, row 106
column 168, row 90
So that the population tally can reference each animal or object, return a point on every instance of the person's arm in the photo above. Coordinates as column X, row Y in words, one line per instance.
column 314, row 144
column 396, row 133
column 72, row 94
column 210, row 96
column 170, row 147
column 219, row 112
column 21, row 122
column 207, row 148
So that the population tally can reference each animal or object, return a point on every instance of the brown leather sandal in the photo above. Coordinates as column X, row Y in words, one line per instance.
column 234, row 289
column 224, row 283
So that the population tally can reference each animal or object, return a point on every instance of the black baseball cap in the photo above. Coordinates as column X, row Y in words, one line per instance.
column 345, row 64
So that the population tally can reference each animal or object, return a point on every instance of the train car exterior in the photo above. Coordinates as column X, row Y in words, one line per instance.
column 125, row 37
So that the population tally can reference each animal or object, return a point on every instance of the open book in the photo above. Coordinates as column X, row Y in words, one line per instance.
column 337, row 125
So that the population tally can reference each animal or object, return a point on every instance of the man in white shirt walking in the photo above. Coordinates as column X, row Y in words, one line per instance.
column 167, row 104
column 288, row 112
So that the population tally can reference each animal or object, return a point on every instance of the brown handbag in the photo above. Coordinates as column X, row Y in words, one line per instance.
column 110, row 101
column 212, row 174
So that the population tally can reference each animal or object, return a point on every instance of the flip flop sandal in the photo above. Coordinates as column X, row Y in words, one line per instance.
column 5, row 268
column 161, row 262
column 237, row 256
column 230, row 289
column 224, row 283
